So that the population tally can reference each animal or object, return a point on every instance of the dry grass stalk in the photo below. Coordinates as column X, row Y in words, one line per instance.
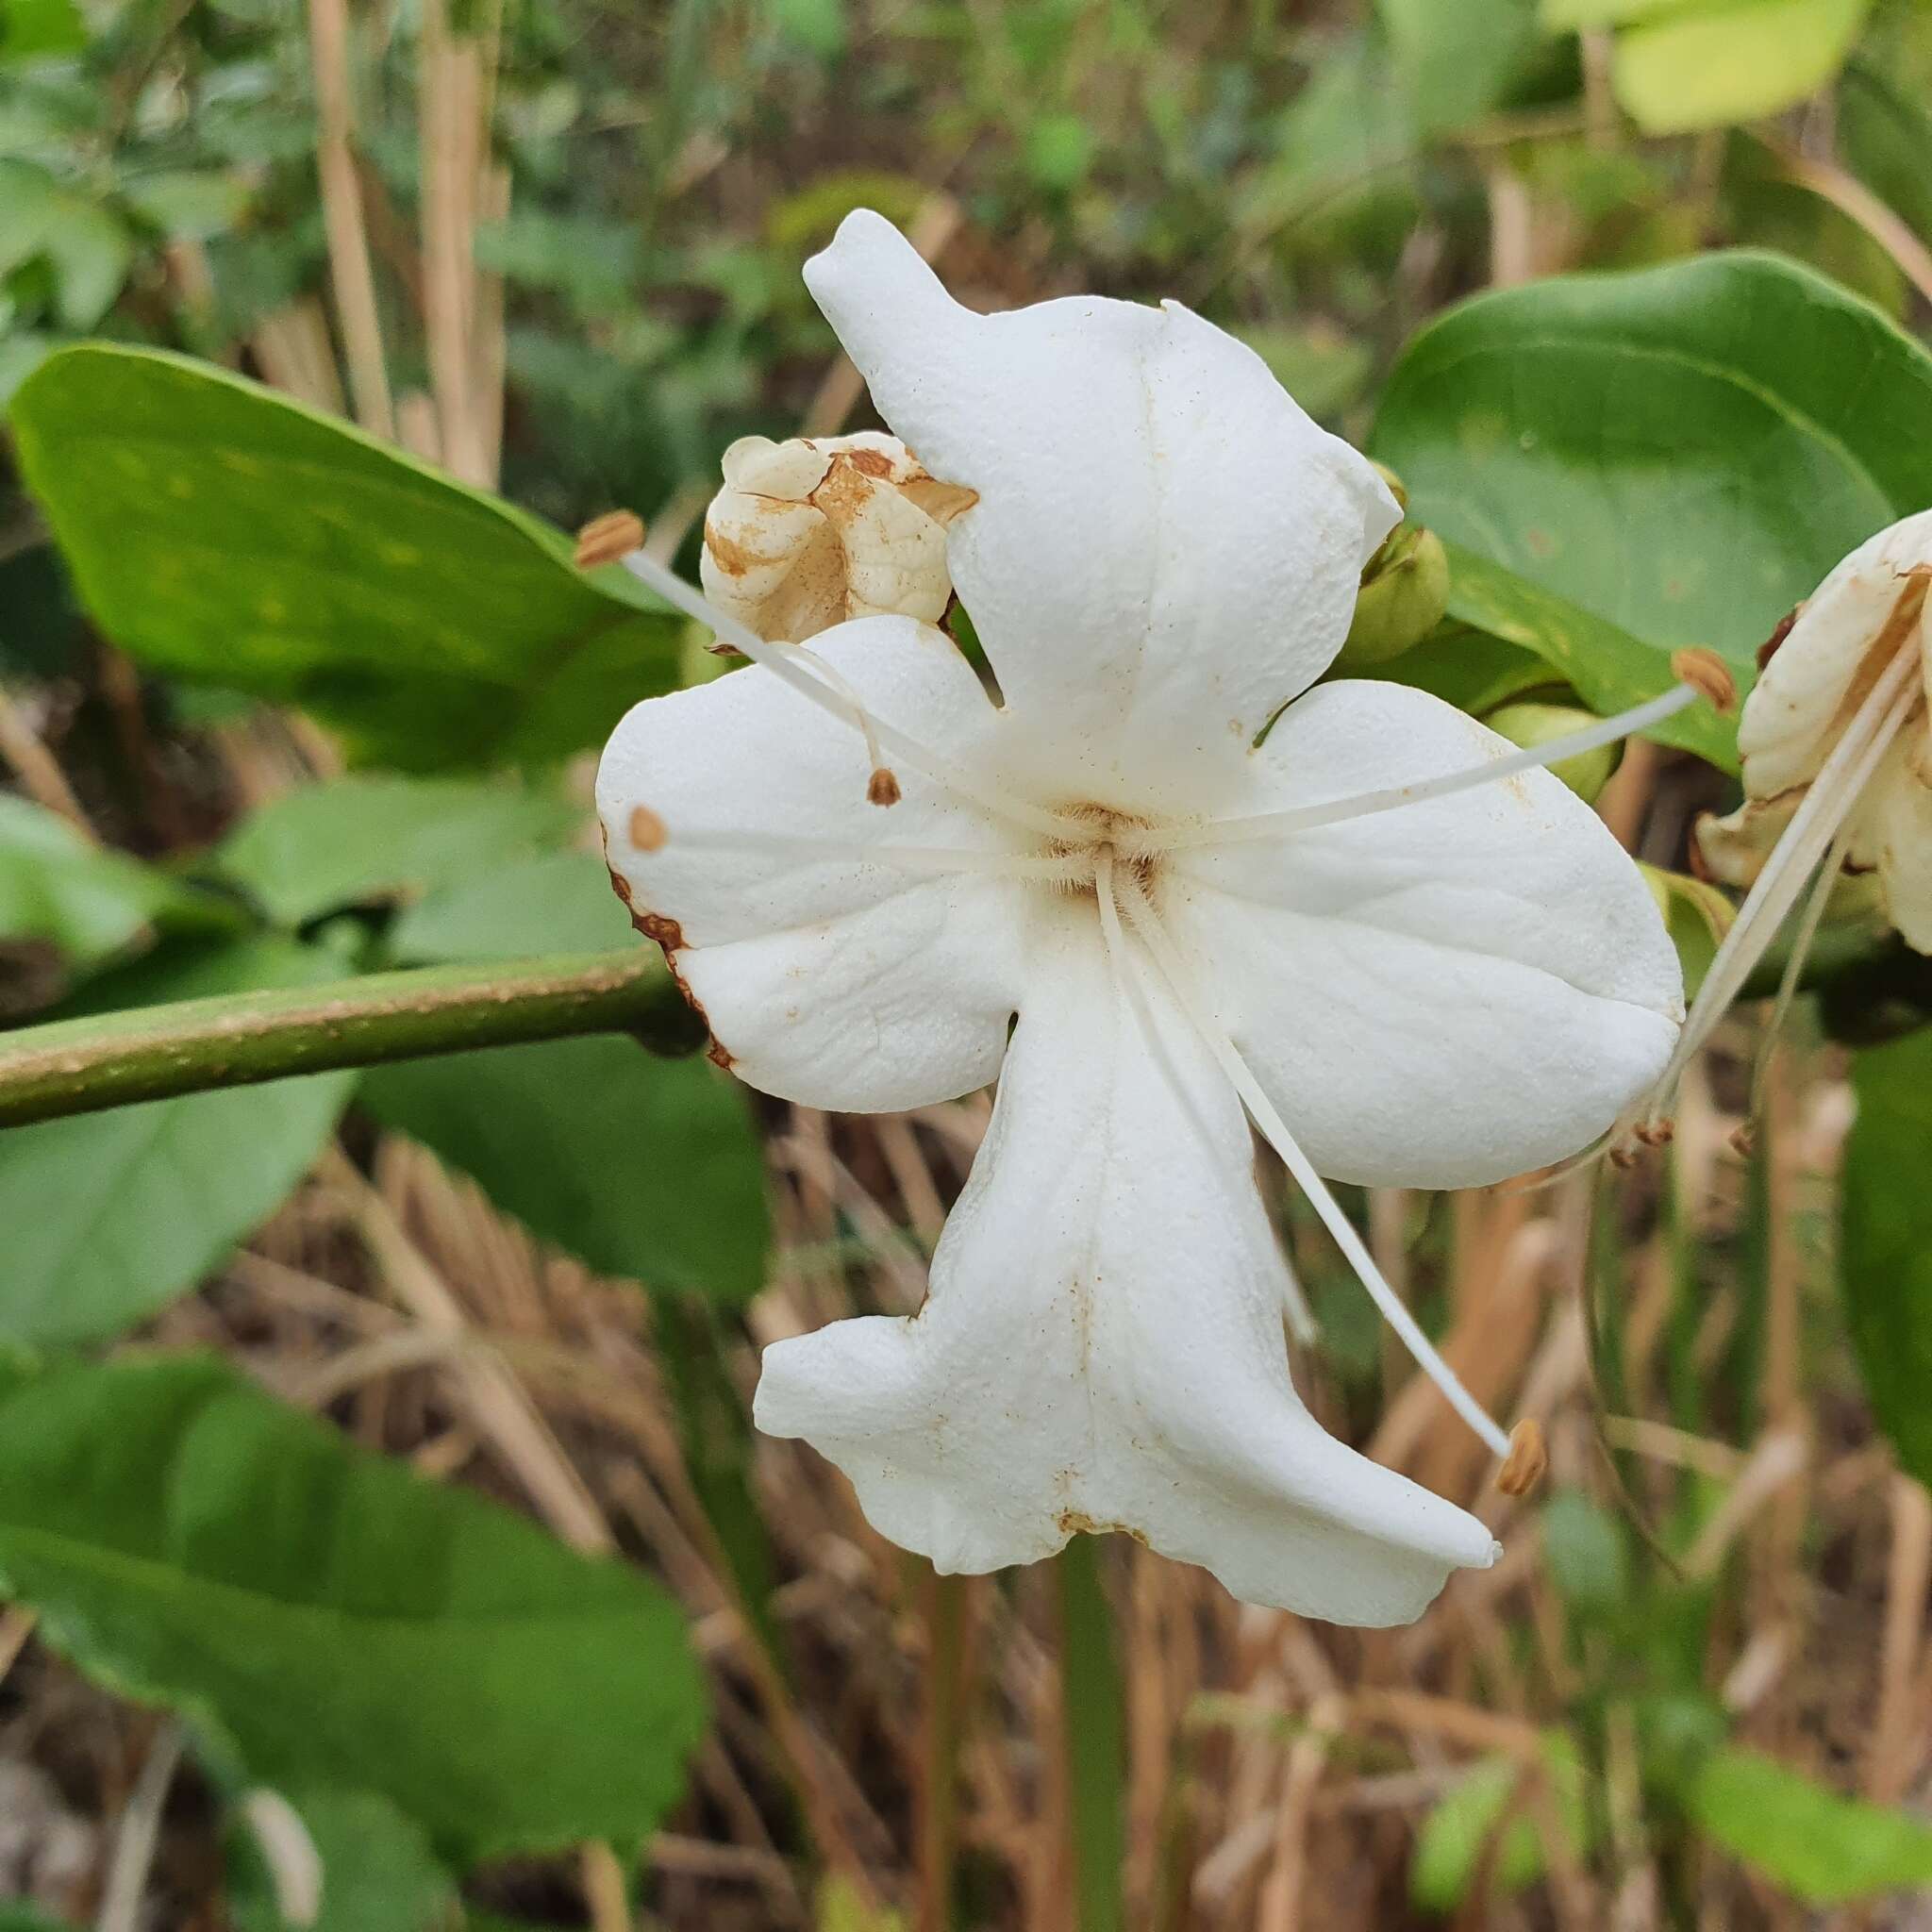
column 351, row 273
column 293, row 347
column 450, row 109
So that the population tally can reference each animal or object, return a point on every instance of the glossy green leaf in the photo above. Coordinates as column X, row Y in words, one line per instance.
column 1886, row 1243
column 1609, row 668
column 373, row 836
column 1715, row 66
column 1683, row 451
column 641, row 1167
column 89, row 901
column 326, row 1617
column 221, row 532
column 1818, row 1846
column 109, row 1216
column 550, row 901
column 379, row 1872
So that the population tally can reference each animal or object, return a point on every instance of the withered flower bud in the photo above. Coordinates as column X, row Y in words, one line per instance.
column 807, row 533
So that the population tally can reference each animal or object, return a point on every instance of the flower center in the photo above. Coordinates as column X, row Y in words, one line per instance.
column 1128, row 845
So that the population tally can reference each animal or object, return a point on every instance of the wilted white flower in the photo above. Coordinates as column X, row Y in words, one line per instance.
column 1837, row 775
column 1379, row 923
column 809, row 533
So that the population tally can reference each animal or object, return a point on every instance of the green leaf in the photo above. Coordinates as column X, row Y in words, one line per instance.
column 1470, row 668
column 551, row 902
column 87, row 900
column 85, row 246
column 109, row 1216
column 29, row 28
column 1885, row 128
column 1683, row 451
column 1582, row 13
column 1820, row 1847
column 29, row 207
column 1455, row 62
column 193, row 202
column 1720, row 65
column 25, row 1919
column 1450, row 1845
column 1584, row 1546
column 641, row 1167
column 838, row 1907
column 324, row 1616
column 223, row 533
column 1886, row 1243
column 378, row 1872
column 340, row 844
column 1609, row 669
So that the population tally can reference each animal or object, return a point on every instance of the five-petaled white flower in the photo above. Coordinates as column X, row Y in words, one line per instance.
column 1370, row 919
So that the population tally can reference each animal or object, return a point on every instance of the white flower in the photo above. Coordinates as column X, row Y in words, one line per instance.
column 809, row 533
column 1868, row 614
column 1837, row 777
column 1163, row 551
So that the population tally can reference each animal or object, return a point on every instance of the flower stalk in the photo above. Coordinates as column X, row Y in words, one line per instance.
column 188, row 1046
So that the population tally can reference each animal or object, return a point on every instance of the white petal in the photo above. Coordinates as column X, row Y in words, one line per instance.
column 1894, row 834
column 1165, row 548
column 1103, row 1346
column 1791, row 717
column 1439, row 995
column 827, row 979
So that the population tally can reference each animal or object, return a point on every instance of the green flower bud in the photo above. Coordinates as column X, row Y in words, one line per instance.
column 1530, row 724
column 1405, row 591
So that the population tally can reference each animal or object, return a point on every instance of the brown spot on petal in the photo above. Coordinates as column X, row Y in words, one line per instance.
column 733, row 558
column 606, row 538
column 1768, row 649
column 1528, row 1458
column 1077, row 1522
column 646, row 829
column 654, row 926
column 875, row 462
column 882, row 788
column 941, row 502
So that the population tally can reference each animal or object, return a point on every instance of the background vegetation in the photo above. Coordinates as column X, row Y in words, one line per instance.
column 281, row 705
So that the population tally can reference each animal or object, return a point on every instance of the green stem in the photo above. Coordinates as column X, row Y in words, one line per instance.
column 1094, row 1727
column 150, row 1053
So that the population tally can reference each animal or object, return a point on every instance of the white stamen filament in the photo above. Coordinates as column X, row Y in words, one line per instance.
column 1828, row 800
column 1794, row 967
column 1116, row 896
column 875, row 758
column 782, row 661
column 1333, row 811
